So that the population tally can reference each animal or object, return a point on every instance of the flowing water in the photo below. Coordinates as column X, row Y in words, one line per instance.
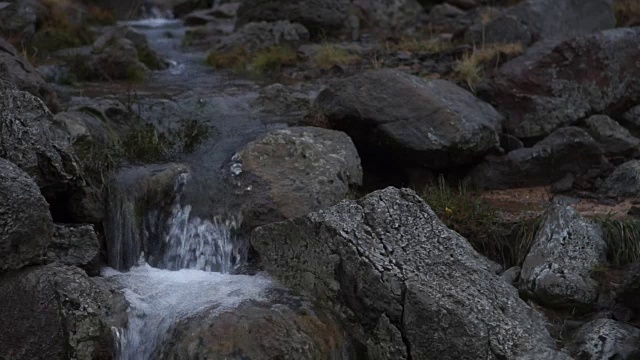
column 176, row 255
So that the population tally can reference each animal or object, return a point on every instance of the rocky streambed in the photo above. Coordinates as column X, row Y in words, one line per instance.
column 279, row 180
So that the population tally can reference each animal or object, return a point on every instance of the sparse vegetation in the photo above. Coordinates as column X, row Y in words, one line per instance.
column 56, row 31
column 273, row 59
column 421, row 46
column 474, row 218
column 471, row 68
column 262, row 62
column 623, row 240
column 627, row 12
column 236, row 58
column 330, row 55
column 145, row 144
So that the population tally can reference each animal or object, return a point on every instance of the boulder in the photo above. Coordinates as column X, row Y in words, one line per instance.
column 606, row 339
column 567, row 150
column 288, row 327
column 293, row 172
column 75, row 314
column 30, row 139
column 533, row 20
column 257, row 36
column 73, row 244
column 19, row 16
column 557, row 270
column 185, row 7
column 287, row 103
column 119, row 60
column 16, row 70
column 319, row 16
column 629, row 290
column 390, row 14
column 403, row 119
column 631, row 119
column 624, row 181
column 612, row 137
column 554, row 84
column 146, row 54
column 25, row 224
column 388, row 255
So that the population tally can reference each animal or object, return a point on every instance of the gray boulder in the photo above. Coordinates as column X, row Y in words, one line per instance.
column 293, row 172
column 533, row 20
column 624, row 181
column 390, row 14
column 57, row 312
column 629, row 292
column 388, row 255
column 16, row 70
column 316, row 15
column 30, row 139
column 19, row 16
column 611, row 136
column 25, row 224
column 287, row 327
column 146, row 54
column 285, row 103
column 395, row 117
column 73, row 244
column 567, row 150
column 257, row 36
column 557, row 270
column 556, row 84
column 631, row 119
column 606, row 339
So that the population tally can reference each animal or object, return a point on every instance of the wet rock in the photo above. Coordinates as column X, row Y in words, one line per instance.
column 31, row 140
column 389, row 254
column 287, row 327
column 14, row 69
column 256, row 36
column 606, row 339
column 398, row 118
column 557, row 270
column 394, row 14
column 624, row 181
column 74, row 314
column 73, row 244
column 316, row 15
column 137, row 195
column 563, row 185
column 555, row 84
column 567, row 150
column 611, row 136
column 25, row 224
column 533, row 20
column 290, row 173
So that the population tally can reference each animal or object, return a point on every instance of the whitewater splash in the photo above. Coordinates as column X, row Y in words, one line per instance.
column 160, row 298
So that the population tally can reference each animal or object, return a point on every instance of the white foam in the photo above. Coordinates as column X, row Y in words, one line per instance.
column 159, row 298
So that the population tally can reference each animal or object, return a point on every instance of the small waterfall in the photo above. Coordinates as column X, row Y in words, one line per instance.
column 144, row 220
column 171, row 263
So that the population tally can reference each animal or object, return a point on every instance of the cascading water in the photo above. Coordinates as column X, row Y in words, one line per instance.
column 193, row 257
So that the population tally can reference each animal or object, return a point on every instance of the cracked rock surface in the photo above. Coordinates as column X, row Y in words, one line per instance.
column 557, row 271
column 403, row 282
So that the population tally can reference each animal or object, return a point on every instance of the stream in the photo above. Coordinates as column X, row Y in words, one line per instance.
column 197, row 250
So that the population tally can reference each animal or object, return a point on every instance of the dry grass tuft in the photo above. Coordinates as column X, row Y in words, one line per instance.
column 421, row 46
column 330, row 55
column 471, row 68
